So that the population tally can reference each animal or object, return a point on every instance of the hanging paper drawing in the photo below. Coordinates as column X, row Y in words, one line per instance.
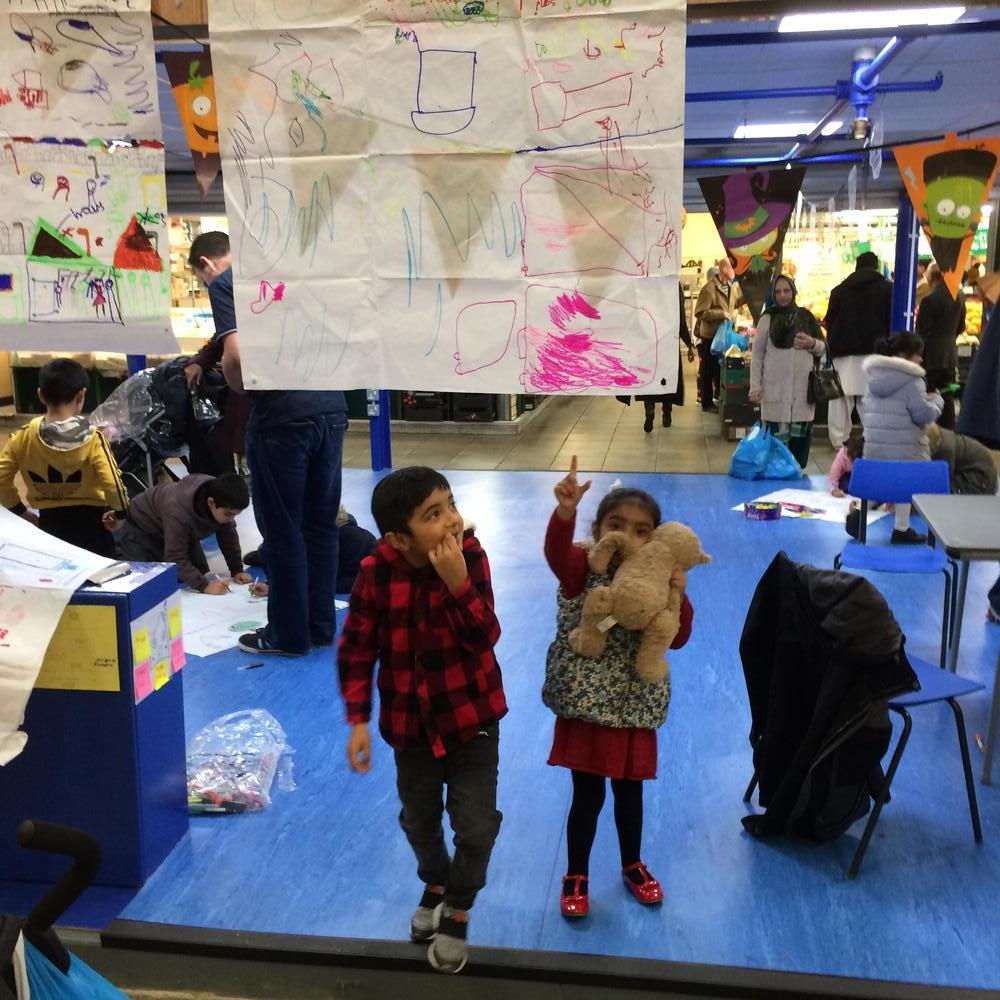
column 483, row 197
column 83, row 225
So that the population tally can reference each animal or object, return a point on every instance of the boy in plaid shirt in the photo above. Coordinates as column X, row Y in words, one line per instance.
column 422, row 606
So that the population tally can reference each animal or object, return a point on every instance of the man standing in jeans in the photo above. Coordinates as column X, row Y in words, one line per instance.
column 295, row 444
column 717, row 301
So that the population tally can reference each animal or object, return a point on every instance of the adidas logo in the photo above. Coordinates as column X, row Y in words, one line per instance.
column 56, row 477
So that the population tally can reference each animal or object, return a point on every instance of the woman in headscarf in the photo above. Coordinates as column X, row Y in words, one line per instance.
column 788, row 340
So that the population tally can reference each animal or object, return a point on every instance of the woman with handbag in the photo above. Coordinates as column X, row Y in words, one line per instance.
column 786, row 349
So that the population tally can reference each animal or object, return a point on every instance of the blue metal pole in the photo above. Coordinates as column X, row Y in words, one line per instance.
column 379, row 429
column 904, row 285
column 135, row 363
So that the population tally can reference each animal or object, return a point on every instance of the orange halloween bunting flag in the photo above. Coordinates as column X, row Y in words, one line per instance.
column 191, row 78
column 948, row 183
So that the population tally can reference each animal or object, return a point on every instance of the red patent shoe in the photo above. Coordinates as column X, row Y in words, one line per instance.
column 574, row 902
column 648, row 892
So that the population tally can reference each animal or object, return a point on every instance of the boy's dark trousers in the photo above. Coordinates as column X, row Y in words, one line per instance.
column 135, row 545
column 80, row 525
column 470, row 776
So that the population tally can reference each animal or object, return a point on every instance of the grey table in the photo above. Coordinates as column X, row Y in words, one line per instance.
column 968, row 529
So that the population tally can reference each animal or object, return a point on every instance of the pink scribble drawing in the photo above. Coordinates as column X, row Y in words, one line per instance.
column 267, row 296
column 483, row 332
column 603, row 218
column 572, row 342
column 555, row 105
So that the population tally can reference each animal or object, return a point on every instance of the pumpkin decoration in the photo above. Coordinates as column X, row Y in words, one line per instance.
column 194, row 91
column 196, row 104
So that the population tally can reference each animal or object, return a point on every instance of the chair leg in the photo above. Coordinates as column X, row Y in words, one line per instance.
column 748, row 794
column 883, row 792
column 970, row 785
column 954, row 601
column 946, row 620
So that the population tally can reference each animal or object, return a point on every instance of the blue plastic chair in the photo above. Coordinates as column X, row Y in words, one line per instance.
column 896, row 482
column 935, row 685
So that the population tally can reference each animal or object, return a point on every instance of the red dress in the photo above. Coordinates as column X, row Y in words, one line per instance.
column 588, row 746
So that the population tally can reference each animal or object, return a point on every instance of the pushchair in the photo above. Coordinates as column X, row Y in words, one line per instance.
column 33, row 961
column 153, row 416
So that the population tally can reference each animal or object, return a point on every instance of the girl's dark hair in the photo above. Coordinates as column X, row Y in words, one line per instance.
column 900, row 344
column 855, row 446
column 622, row 495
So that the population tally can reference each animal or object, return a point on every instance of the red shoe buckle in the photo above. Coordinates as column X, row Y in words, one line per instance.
column 648, row 892
column 576, row 903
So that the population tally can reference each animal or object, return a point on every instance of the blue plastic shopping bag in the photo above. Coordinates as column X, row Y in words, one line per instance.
column 726, row 337
column 760, row 455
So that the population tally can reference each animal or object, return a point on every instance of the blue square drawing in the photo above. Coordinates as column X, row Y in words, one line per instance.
column 6, row 282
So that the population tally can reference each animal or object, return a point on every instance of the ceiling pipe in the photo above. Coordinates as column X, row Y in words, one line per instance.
column 862, row 91
column 763, row 161
column 724, row 39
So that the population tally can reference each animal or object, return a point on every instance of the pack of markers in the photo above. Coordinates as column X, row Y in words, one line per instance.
column 762, row 511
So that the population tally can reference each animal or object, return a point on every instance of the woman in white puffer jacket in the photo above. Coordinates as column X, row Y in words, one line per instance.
column 898, row 410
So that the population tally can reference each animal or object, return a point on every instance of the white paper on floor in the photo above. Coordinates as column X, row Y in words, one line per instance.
column 812, row 505
column 213, row 623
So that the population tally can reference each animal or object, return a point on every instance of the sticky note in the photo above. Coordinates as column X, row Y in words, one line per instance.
column 161, row 674
column 177, row 657
column 174, row 621
column 142, row 679
column 83, row 653
column 141, row 648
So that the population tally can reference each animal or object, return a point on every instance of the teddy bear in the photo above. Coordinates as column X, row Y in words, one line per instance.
column 640, row 596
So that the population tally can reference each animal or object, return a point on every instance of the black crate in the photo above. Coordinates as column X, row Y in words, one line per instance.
column 473, row 407
column 737, row 418
column 429, row 407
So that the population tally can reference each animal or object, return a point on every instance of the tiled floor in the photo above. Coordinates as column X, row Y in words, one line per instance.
column 605, row 435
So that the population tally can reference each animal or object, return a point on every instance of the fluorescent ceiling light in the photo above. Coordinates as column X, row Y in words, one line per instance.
column 783, row 130
column 849, row 20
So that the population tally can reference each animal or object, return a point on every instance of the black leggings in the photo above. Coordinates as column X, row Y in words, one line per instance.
column 588, row 798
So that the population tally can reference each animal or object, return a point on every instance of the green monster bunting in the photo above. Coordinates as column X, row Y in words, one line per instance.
column 948, row 182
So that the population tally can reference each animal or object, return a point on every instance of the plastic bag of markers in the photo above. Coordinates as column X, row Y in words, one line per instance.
column 233, row 761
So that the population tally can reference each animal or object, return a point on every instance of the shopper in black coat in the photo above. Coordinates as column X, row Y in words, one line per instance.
column 668, row 399
column 859, row 313
column 821, row 653
column 939, row 322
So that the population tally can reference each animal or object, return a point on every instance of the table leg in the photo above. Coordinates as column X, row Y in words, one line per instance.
column 963, row 583
column 991, row 735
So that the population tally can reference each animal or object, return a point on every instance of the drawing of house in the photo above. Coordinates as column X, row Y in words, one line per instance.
column 67, row 284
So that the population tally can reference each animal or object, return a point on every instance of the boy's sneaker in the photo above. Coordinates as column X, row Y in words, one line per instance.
column 448, row 951
column 424, row 923
column 908, row 537
column 254, row 642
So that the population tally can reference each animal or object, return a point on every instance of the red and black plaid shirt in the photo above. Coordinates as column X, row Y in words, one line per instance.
column 438, row 680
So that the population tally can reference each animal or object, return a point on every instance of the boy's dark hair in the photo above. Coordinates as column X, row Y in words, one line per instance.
column 623, row 495
column 229, row 491
column 900, row 344
column 60, row 380
column 397, row 496
column 213, row 245
column 866, row 261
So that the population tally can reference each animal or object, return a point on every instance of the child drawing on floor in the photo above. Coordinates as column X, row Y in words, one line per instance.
column 843, row 462
column 606, row 719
